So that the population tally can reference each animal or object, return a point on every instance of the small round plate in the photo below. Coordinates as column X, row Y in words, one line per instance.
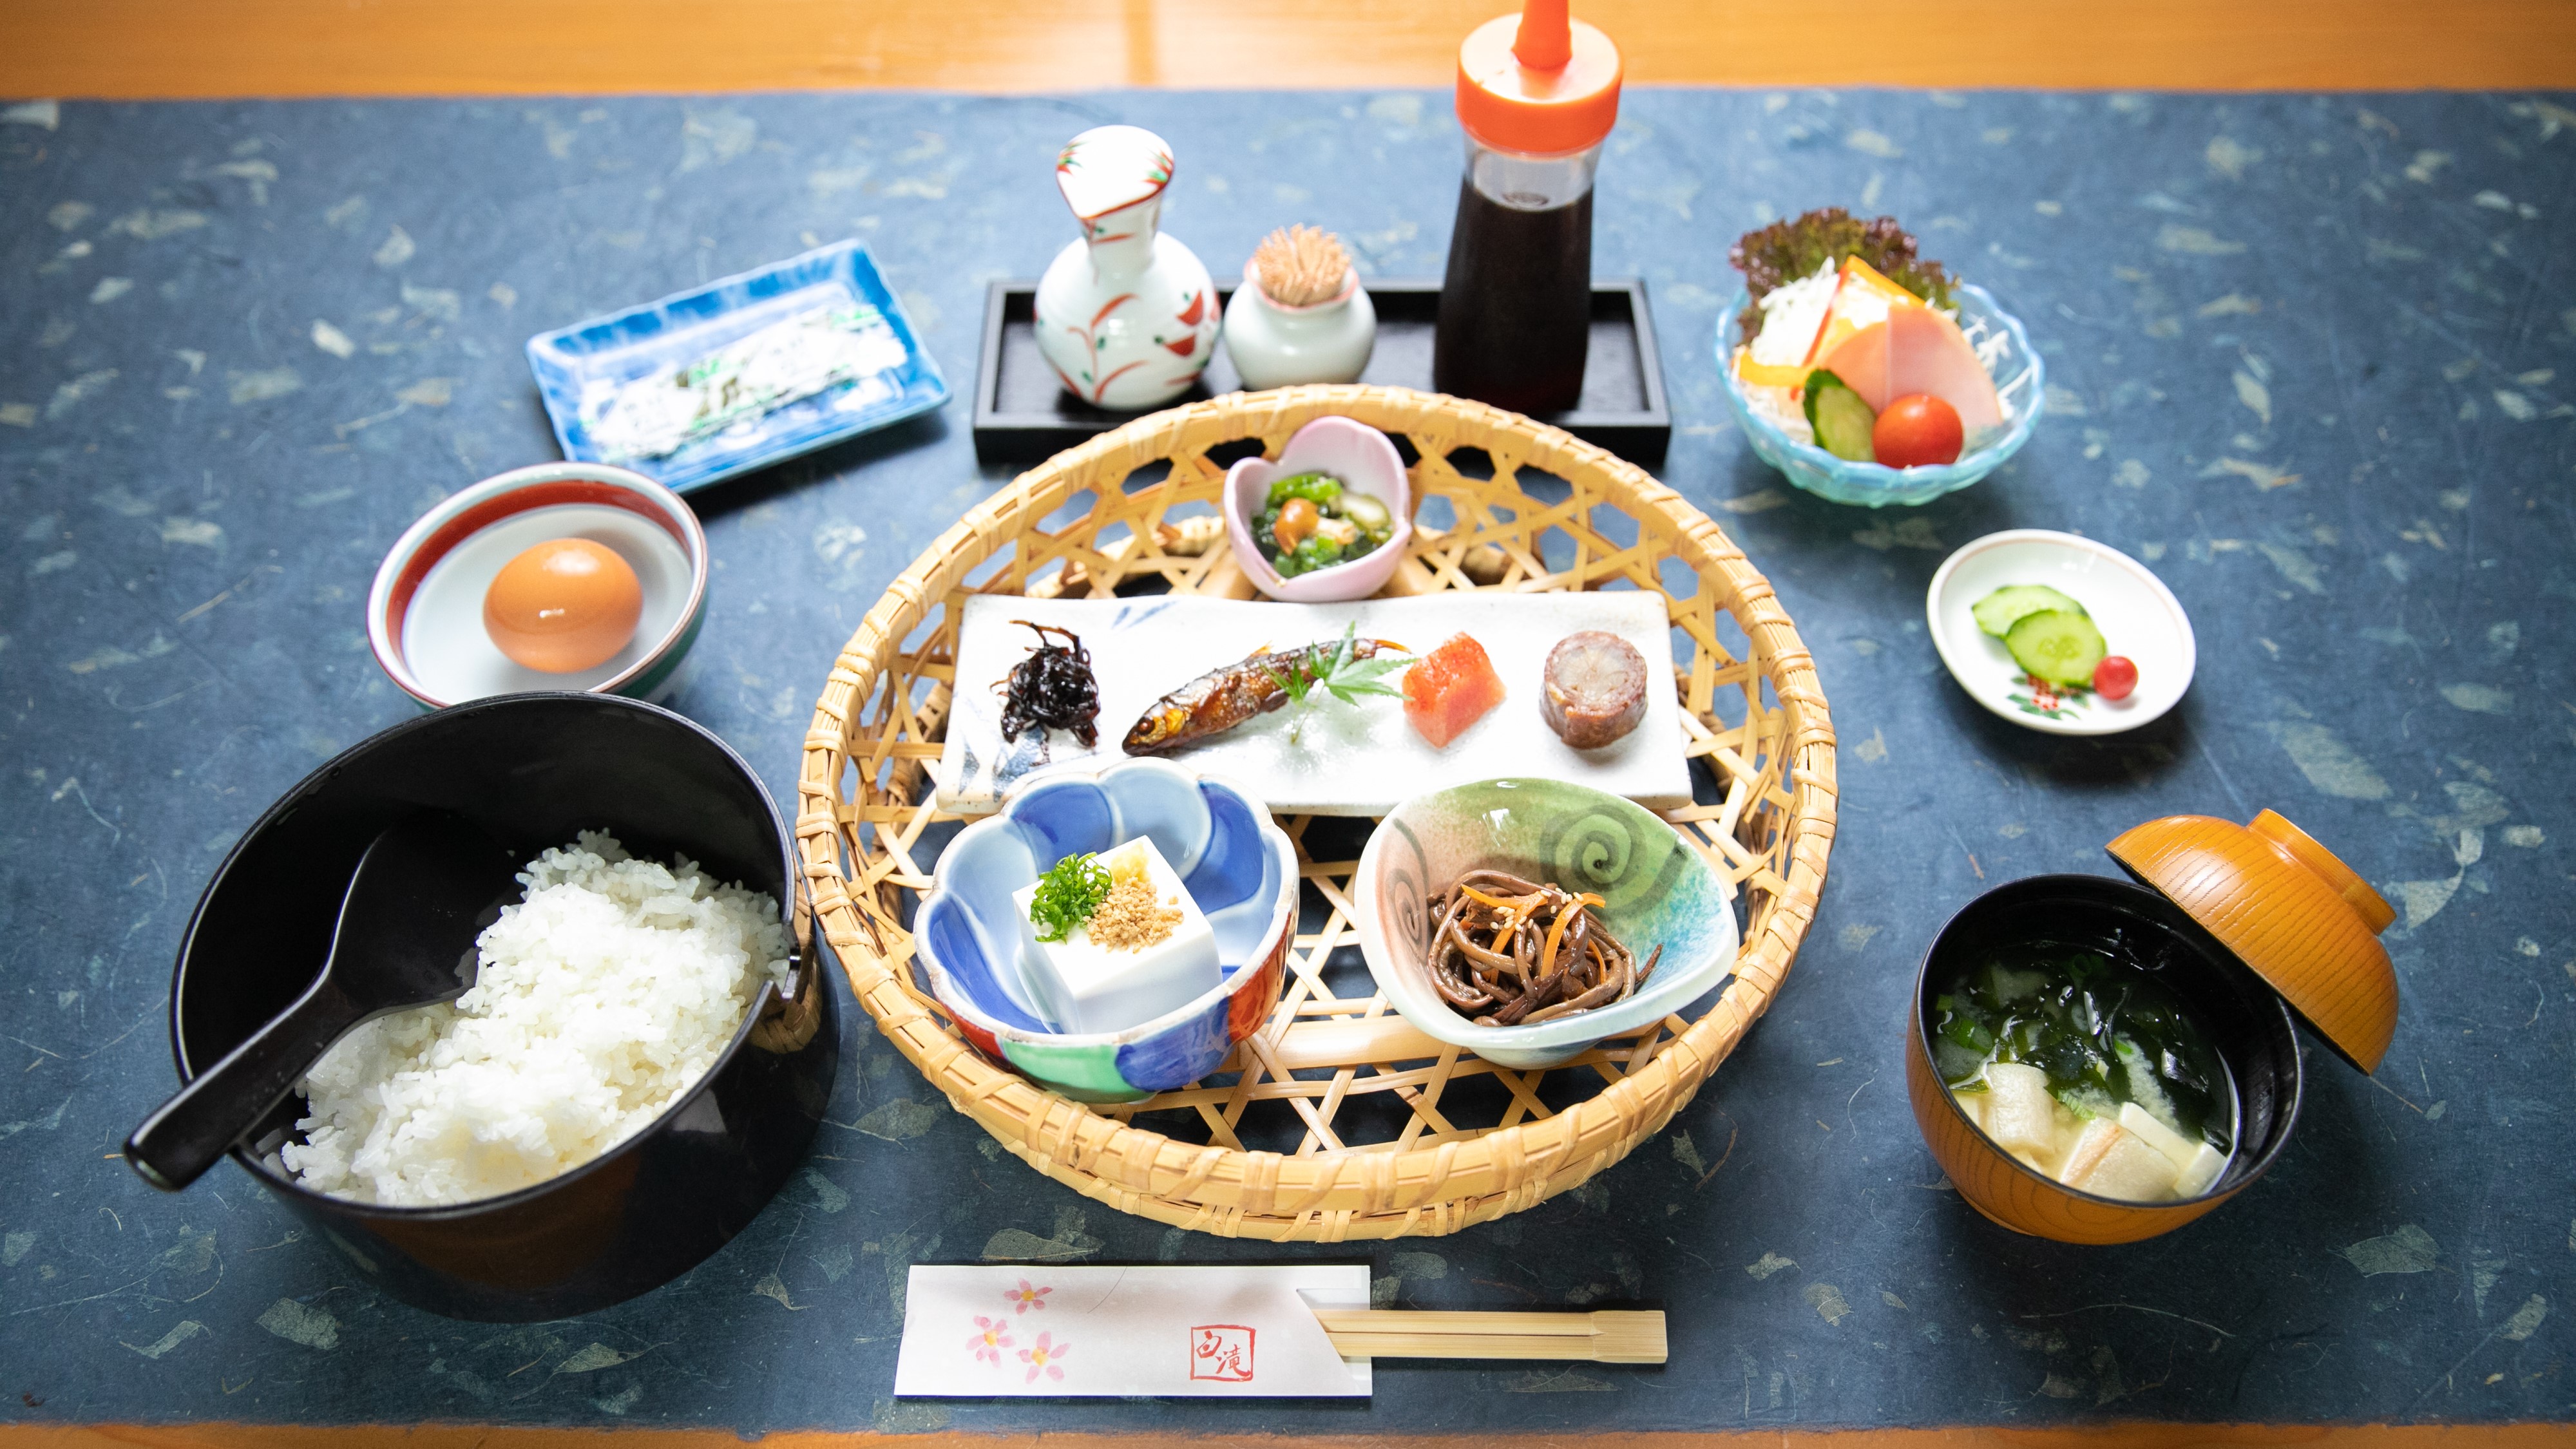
column 2137, row 614
column 425, row 612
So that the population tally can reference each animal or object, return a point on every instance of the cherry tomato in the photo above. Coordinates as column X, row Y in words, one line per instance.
column 2114, row 677
column 1916, row 430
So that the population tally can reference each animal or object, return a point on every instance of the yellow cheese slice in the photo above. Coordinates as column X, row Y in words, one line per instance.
column 1765, row 374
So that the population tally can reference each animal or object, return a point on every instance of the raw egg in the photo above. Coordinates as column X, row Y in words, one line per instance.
column 566, row 604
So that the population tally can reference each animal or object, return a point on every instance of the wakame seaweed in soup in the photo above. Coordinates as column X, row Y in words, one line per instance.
column 2088, row 1069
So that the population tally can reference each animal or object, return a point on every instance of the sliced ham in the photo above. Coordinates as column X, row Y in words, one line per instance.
column 1917, row 350
column 1861, row 361
column 1927, row 353
column 1863, row 298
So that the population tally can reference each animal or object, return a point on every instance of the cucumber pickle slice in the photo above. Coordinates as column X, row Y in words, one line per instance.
column 1841, row 421
column 1997, row 612
column 2058, row 646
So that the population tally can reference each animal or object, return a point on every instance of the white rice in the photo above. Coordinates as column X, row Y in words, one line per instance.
column 602, row 997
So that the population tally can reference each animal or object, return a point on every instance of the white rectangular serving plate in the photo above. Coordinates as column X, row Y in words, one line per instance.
column 1358, row 759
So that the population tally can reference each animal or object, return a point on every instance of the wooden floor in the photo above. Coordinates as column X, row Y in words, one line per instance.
column 138, row 49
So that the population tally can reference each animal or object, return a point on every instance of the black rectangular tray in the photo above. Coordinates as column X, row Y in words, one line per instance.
column 1023, row 415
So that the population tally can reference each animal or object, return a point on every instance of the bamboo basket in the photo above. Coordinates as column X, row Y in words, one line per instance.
column 1327, row 1064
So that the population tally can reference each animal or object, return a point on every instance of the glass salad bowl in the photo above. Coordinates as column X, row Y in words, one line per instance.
column 2020, row 380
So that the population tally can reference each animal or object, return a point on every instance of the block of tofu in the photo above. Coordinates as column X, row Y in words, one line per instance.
column 2109, row 1160
column 2197, row 1162
column 1977, row 1105
column 1085, row 986
column 2020, row 1115
column 2201, row 1173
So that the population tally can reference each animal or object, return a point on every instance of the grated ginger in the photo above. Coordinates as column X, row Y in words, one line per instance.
column 1132, row 918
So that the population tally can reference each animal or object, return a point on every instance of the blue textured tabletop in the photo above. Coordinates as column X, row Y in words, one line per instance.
column 2308, row 358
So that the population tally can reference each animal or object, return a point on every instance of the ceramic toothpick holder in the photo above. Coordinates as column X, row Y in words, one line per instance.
column 1126, row 314
column 1274, row 344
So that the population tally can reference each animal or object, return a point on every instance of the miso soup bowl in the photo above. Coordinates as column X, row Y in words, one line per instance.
column 533, row 770
column 2246, row 1020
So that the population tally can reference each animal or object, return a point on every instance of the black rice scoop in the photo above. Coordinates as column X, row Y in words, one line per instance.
column 422, row 892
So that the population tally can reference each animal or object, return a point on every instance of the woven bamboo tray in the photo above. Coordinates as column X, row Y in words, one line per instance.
column 1335, row 1120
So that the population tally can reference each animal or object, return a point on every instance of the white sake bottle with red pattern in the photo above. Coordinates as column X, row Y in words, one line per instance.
column 1127, row 316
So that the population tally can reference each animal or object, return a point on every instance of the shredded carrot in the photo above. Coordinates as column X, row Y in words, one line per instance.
column 1500, row 903
column 1547, row 957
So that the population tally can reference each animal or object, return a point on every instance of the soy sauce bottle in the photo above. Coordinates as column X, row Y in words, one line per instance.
column 1537, row 94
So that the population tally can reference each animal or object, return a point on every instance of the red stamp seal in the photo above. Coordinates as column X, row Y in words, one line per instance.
column 1222, row 1352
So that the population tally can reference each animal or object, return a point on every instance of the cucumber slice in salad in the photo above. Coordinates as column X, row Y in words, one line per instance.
column 2058, row 646
column 1997, row 612
column 1840, row 419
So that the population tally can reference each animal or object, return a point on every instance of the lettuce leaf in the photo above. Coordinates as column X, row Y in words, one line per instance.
column 1788, row 250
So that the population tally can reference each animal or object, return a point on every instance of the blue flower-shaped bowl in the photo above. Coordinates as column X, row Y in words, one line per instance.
column 1656, row 891
column 1239, row 869
column 2020, row 377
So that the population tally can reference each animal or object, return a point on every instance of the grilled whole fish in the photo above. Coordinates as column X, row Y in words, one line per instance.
column 1228, row 695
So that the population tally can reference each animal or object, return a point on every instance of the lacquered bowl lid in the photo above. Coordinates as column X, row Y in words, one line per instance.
column 2289, row 909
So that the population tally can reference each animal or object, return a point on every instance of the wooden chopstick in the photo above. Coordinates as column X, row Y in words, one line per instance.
column 1604, row 1336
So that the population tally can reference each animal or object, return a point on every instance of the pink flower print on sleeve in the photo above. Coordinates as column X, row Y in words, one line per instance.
column 1043, row 1356
column 991, row 1336
column 1024, row 1297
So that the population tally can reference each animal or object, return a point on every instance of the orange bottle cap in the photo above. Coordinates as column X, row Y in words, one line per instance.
column 1538, row 82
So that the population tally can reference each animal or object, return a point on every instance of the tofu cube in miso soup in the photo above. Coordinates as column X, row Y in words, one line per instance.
column 2019, row 1113
column 2197, row 1162
column 2109, row 1160
column 1084, row 986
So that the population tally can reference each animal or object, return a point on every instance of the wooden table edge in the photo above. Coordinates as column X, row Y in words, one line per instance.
column 2120, row 1434
column 169, row 49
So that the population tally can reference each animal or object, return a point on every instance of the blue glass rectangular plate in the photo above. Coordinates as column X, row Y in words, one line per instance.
column 589, row 358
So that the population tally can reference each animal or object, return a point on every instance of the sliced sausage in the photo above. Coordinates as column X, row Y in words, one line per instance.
column 1594, row 689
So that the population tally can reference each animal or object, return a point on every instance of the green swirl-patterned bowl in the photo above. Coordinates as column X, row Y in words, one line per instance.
column 1658, row 891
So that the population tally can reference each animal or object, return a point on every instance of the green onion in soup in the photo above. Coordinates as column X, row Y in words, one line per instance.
column 2087, row 1069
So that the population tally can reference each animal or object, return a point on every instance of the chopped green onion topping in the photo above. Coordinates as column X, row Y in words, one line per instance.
column 1314, row 487
column 1067, row 895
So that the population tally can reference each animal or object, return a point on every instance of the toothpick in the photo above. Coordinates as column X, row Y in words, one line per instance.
column 1301, row 266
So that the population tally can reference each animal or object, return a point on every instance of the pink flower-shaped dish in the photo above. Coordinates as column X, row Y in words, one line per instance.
column 1366, row 462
